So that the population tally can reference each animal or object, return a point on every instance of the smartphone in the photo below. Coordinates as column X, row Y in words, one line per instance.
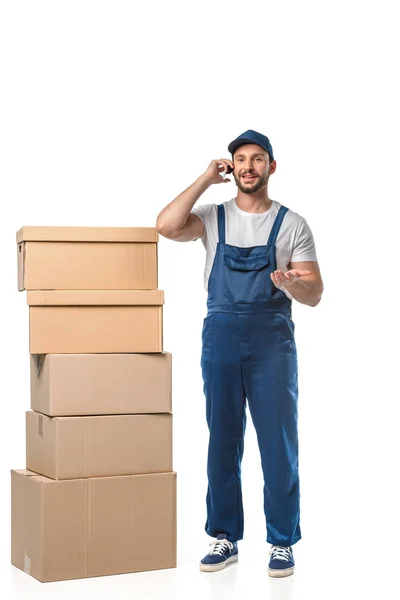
column 227, row 172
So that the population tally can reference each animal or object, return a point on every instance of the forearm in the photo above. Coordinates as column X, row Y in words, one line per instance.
column 174, row 216
column 305, row 291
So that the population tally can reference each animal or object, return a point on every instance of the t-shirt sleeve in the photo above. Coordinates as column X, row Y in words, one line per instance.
column 203, row 211
column 304, row 246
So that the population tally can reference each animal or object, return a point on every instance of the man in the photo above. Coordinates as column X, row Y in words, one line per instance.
column 260, row 256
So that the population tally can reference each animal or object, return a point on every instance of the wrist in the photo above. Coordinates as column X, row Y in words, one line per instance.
column 204, row 181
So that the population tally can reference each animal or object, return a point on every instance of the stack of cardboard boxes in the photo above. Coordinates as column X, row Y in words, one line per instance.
column 98, row 496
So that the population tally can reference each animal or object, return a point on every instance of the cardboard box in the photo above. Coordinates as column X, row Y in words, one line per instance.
column 74, row 258
column 90, row 527
column 101, row 384
column 95, row 321
column 77, row 447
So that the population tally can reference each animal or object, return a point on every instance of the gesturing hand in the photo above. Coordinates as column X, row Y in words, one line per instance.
column 280, row 279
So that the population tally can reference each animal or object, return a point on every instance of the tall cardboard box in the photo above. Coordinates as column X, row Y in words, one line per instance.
column 101, row 384
column 89, row 527
column 95, row 321
column 93, row 258
column 100, row 446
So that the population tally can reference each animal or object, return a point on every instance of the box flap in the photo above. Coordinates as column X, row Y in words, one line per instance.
column 87, row 234
column 95, row 297
column 31, row 474
column 23, row 472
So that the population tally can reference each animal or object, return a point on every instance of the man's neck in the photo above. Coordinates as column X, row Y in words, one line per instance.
column 253, row 203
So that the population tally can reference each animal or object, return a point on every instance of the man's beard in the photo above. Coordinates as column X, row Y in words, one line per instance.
column 251, row 189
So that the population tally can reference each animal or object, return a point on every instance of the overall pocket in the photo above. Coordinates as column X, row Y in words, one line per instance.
column 206, row 349
column 285, row 351
column 245, row 275
column 287, row 367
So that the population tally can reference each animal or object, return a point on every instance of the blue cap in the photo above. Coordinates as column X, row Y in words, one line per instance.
column 251, row 137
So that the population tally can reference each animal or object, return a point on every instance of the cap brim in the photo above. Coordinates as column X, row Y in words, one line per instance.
column 237, row 143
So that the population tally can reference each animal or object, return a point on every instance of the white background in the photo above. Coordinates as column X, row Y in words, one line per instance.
column 108, row 111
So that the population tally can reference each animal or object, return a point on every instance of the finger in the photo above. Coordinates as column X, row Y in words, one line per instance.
column 228, row 164
column 278, row 285
column 300, row 271
column 291, row 275
column 275, row 280
column 223, row 171
column 281, row 276
column 223, row 162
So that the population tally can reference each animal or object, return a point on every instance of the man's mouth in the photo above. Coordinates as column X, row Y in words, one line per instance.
column 249, row 177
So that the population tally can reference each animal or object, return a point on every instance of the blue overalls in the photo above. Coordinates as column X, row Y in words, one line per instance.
column 249, row 352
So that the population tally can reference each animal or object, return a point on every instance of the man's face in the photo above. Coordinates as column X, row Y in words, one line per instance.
column 251, row 168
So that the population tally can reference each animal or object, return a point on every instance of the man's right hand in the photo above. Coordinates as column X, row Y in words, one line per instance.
column 214, row 170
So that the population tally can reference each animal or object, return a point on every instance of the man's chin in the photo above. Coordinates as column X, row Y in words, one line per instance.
column 250, row 188
column 247, row 189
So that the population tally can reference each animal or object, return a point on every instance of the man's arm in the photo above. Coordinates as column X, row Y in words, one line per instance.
column 303, row 281
column 175, row 221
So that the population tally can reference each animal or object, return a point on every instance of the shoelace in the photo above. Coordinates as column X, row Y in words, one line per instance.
column 220, row 547
column 280, row 553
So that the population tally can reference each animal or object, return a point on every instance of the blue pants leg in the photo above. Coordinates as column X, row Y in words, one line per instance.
column 270, row 381
column 226, row 419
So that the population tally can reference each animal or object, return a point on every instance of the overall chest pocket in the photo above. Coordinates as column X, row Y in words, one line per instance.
column 245, row 275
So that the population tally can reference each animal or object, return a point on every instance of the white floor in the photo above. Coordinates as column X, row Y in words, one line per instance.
column 325, row 572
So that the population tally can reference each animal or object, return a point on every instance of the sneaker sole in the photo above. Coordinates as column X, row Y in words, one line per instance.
column 280, row 572
column 211, row 568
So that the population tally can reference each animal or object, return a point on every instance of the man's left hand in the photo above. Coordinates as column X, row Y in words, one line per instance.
column 281, row 279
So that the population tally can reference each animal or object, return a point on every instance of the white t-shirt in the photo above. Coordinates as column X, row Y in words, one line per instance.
column 294, row 243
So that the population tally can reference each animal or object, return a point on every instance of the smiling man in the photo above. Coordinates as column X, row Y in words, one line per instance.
column 259, row 257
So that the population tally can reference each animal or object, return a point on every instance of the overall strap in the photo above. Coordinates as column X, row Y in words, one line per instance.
column 221, row 223
column 277, row 225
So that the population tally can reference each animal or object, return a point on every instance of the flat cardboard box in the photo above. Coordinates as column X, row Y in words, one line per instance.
column 90, row 527
column 101, row 446
column 74, row 258
column 95, row 321
column 101, row 384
